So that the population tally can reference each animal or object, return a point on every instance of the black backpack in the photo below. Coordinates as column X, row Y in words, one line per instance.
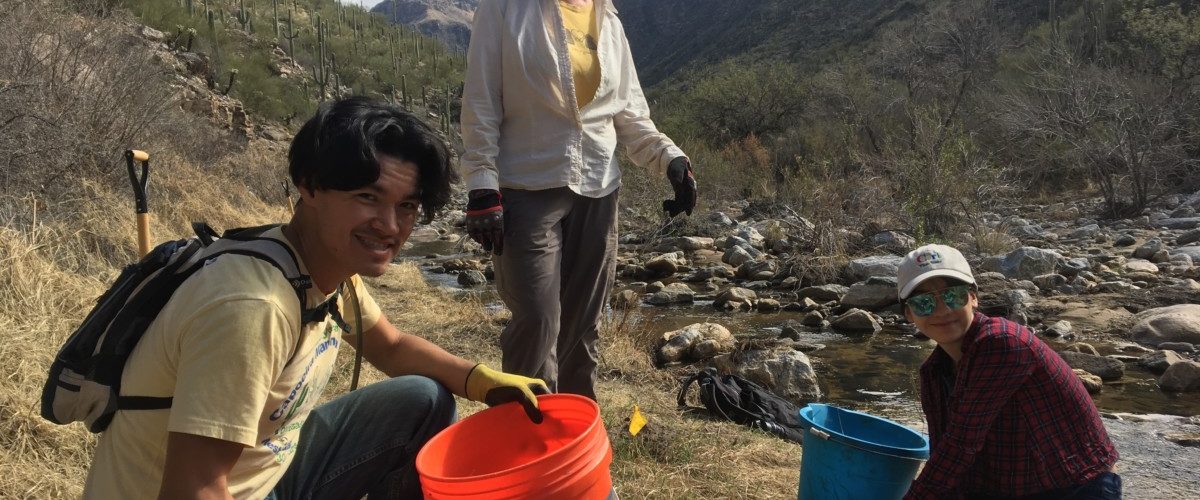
column 734, row 398
column 85, row 379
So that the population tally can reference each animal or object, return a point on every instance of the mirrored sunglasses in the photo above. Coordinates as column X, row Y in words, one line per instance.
column 954, row 297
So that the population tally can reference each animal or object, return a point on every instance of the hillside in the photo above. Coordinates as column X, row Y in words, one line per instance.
column 448, row 21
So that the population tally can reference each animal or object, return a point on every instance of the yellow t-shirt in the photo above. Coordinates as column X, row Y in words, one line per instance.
column 229, row 348
column 582, row 33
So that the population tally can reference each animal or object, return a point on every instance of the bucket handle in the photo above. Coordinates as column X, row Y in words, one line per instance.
column 819, row 433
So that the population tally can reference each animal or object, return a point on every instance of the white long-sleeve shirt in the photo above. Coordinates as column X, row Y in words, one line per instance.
column 520, row 123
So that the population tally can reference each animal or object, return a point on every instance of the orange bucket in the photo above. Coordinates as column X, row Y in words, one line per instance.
column 498, row 453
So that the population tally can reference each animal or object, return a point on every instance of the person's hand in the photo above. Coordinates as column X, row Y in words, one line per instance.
column 679, row 172
column 485, row 219
column 492, row 387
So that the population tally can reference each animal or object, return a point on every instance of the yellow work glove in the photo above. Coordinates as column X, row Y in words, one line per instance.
column 492, row 387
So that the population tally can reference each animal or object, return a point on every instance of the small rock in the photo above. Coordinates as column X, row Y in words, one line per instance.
column 675, row 293
column 768, row 305
column 736, row 256
column 736, row 298
column 813, row 318
column 1086, row 232
column 1190, row 439
column 695, row 342
column 626, row 299
column 1148, row 249
column 1139, row 265
column 1105, row 368
column 1028, row 262
column 471, row 278
column 152, row 34
column 1092, row 383
column 655, row 287
column 790, row 331
column 1183, row 376
column 784, row 371
column 878, row 265
column 1183, row 347
column 892, row 241
column 1124, row 240
column 1188, row 237
column 666, row 264
column 856, row 321
column 1084, row 348
column 1180, row 223
column 823, row 293
column 1060, row 329
column 874, row 294
column 1158, row 361
column 1050, row 281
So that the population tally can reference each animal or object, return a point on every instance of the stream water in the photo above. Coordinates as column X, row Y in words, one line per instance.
column 876, row 374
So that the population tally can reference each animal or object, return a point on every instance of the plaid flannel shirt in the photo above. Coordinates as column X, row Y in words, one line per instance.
column 1016, row 421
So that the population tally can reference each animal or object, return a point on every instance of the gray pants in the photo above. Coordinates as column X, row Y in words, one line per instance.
column 558, row 264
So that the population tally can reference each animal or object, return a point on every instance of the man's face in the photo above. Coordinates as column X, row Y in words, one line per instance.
column 362, row 230
column 945, row 325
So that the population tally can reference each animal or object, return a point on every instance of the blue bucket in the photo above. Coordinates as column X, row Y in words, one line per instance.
column 852, row 455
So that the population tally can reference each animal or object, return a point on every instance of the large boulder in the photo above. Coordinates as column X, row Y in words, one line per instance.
column 1177, row 323
column 1100, row 366
column 874, row 294
column 1026, row 263
column 1181, row 377
column 784, row 371
column 694, row 343
column 876, row 265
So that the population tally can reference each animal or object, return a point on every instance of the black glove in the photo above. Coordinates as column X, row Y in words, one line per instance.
column 485, row 219
column 493, row 388
column 679, row 172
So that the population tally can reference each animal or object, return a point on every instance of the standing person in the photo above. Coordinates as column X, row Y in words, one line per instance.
column 551, row 91
column 1007, row 416
column 245, row 368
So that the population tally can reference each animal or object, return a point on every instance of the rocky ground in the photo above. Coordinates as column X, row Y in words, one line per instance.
column 1119, row 299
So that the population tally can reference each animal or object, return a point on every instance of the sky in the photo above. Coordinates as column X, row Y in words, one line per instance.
column 366, row 4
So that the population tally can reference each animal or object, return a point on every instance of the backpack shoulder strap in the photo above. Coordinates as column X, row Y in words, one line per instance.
column 681, row 399
column 252, row 243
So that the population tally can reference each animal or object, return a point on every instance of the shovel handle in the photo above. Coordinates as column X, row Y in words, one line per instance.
column 139, row 184
column 143, row 224
column 141, row 205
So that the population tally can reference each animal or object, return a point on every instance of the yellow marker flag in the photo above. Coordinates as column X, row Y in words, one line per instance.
column 636, row 421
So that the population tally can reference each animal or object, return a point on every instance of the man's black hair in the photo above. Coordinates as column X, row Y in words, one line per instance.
column 338, row 148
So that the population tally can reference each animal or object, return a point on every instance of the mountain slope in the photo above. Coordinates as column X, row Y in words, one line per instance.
column 446, row 20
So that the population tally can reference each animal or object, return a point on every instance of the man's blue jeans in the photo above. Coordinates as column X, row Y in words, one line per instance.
column 364, row 443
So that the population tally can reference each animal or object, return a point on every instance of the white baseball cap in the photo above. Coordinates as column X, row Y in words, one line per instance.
column 931, row 261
